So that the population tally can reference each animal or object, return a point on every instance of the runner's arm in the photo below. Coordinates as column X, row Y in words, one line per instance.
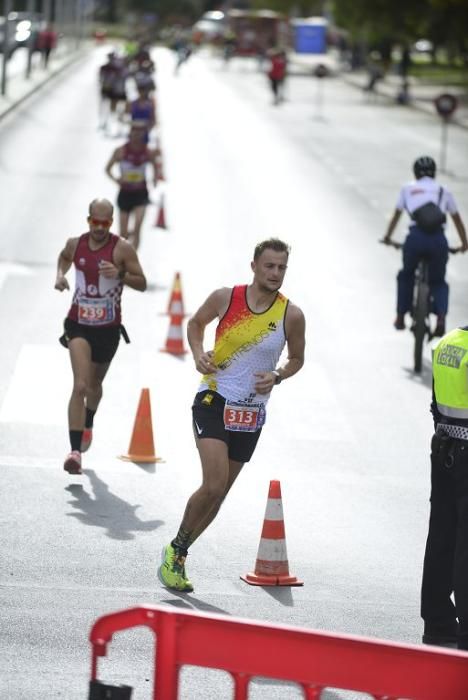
column 392, row 225
column 460, row 226
column 130, row 272
column 295, row 334
column 115, row 158
column 64, row 263
column 215, row 306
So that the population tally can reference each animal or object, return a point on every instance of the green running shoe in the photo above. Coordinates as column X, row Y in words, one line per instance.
column 171, row 573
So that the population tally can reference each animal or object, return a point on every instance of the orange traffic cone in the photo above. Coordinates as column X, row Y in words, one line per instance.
column 271, row 567
column 161, row 218
column 175, row 340
column 175, row 306
column 142, row 444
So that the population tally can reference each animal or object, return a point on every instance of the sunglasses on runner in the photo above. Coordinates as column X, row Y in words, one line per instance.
column 105, row 223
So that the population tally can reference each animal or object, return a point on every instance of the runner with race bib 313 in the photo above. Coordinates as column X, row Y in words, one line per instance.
column 255, row 322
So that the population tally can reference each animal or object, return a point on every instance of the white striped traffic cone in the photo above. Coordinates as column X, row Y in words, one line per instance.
column 175, row 306
column 271, row 567
column 175, row 341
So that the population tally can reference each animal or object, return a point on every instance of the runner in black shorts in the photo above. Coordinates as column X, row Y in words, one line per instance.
column 128, row 200
column 132, row 160
column 255, row 323
column 103, row 341
column 208, row 422
column 104, row 263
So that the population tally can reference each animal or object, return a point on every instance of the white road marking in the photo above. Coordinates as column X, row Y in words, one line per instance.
column 39, row 388
column 7, row 269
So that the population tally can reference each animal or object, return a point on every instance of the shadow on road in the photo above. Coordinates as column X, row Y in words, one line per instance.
column 282, row 594
column 424, row 377
column 189, row 602
column 107, row 510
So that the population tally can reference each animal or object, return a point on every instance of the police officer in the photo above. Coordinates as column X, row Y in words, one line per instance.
column 446, row 558
column 423, row 196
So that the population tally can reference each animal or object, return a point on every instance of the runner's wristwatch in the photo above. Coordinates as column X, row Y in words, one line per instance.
column 278, row 377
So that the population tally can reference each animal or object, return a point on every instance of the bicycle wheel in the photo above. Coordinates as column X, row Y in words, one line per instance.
column 420, row 314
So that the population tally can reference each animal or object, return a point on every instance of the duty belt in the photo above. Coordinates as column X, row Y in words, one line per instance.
column 454, row 431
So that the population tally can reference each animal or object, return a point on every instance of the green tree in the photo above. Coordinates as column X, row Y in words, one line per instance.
column 444, row 22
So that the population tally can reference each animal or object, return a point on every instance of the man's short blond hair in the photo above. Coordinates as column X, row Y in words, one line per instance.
column 275, row 244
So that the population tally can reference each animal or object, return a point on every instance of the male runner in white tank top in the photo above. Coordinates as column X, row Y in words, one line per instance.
column 255, row 323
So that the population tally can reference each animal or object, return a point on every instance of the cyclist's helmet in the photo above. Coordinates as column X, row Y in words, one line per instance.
column 425, row 165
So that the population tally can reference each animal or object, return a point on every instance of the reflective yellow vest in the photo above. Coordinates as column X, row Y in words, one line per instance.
column 450, row 373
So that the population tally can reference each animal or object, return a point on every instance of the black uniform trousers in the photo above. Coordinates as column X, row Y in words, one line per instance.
column 446, row 558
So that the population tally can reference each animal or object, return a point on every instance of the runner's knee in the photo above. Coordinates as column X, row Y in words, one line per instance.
column 79, row 388
column 214, row 490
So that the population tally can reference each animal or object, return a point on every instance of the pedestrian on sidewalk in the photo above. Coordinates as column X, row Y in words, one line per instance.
column 375, row 72
column 104, row 263
column 46, row 42
column 255, row 322
column 277, row 73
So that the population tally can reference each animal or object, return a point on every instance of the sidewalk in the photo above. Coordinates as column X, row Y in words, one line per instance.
column 18, row 87
column 421, row 94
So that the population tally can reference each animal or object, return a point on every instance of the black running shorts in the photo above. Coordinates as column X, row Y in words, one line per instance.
column 208, row 422
column 103, row 341
column 128, row 200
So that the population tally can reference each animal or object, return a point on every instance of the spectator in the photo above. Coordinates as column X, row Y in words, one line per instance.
column 277, row 74
column 46, row 41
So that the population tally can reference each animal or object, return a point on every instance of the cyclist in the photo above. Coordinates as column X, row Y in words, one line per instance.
column 426, row 202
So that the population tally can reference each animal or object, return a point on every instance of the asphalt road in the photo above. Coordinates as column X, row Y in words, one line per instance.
column 347, row 438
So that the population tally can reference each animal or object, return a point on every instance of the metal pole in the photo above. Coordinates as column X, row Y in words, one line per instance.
column 319, row 98
column 443, row 144
column 31, row 7
column 66, row 20
column 46, row 10
column 79, row 9
column 6, row 41
column 59, row 17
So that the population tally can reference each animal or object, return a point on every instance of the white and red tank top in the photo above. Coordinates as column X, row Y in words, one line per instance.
column 246, row 342
column 133, row 167
column 96, row 299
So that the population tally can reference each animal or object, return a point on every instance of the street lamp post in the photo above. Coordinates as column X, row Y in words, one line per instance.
column 46, row 10
column 6, row 48
column 31, row 7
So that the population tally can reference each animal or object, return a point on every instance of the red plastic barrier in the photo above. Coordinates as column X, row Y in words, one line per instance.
column 313, row 660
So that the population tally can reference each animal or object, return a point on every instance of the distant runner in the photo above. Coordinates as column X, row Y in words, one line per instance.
column 133, row 198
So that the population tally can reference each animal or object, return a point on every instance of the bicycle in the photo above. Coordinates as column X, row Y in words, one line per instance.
column 421, row 306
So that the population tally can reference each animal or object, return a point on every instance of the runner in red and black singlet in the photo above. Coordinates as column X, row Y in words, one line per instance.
column 133, row 159
column 103, row 263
